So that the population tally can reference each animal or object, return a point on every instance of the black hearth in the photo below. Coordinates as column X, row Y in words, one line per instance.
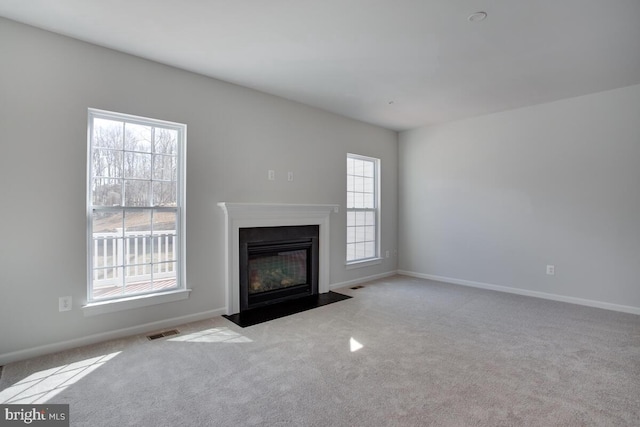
column 277, row 264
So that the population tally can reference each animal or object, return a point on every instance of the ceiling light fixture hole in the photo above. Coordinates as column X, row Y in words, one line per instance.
column 477, row 17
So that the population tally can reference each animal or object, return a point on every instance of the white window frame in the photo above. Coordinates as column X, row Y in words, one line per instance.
column 151, row 297
column 376, row 258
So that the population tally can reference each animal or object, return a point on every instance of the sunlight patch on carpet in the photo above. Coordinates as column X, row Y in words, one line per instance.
column 354, row 345
column 215, row 335
column 43, row 385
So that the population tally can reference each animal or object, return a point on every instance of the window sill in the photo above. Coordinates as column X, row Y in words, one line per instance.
column 112, row 306
column 364, row 263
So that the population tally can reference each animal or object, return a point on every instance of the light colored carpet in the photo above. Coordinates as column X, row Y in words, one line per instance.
column 432, row 354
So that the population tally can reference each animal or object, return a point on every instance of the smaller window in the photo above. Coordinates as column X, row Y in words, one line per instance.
column 362, row 208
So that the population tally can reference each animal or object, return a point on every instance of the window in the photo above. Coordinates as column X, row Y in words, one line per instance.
column 362, row 208
column 135, row 205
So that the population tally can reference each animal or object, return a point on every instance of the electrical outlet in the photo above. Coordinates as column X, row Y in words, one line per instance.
column 289, row 176
column 551, row 270
column 271, row 174
column 387, row 254
column 64, row 304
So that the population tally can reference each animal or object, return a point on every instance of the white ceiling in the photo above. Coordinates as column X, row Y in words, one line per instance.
column 354, row 57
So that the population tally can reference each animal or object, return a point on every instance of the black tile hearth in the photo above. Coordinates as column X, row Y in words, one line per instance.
column 278, row 310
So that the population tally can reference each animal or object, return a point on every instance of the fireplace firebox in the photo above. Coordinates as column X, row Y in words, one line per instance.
column 277, row 264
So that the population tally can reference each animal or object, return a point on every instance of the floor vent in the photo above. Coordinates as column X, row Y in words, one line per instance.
column 357, row 287
column 163, row 334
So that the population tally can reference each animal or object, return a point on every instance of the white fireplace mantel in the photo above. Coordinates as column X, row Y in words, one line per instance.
column 245, row 215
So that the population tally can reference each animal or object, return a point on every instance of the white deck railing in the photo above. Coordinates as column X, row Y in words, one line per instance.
column 132, row 256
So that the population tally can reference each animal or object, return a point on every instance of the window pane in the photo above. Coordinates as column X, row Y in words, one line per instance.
column 137, row 137
column 164, row 246
column 165, row 275
column 368, row 200
column 358, row 200
column 107, row 192
column 369, row 250
column 107, row 282
column 351, row 219
column 164, row 193
column 368, row 185
column 164, row 221
column 137, row 165
column 107, row 243
column 137, row 273
column 349, row 183
column 107, row 251
column 360, row 218
column 350, row 200
column 350, row 166
column 107, row 222
column 166, row 141
column 135, row 257
column 351, row 251
column 370, row 233
column 137, row 243
column 136, row 284
column 107, row 133
column 368, row 169
column 358, row 184
column 165, row 168
column 358, row 168
column 359, row 250
column 351, row 234
column 137, row 222
column 103, row 275
column 370, row 218
column 106, row 163
column 138, row 249
column 164, row 236
column 137, row 193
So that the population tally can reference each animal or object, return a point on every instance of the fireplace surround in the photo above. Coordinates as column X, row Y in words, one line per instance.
column 252, row 215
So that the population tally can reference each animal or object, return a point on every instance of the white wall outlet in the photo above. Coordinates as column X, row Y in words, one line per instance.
column 289, row 176
column 551, row 270
column 271, row 174
column 64, row 304
column 387, row 254
column 336, row 209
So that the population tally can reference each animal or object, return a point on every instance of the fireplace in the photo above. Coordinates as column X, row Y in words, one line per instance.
column 277, row 264
column 248, row 215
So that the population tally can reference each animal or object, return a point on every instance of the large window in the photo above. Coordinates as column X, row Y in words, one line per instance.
column 135, row 205
column 362, row 208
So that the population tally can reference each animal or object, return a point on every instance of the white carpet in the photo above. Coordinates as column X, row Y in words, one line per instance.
column 431, row 354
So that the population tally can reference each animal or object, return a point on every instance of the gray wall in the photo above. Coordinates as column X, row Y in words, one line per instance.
column 494, row 199
column 235, row 135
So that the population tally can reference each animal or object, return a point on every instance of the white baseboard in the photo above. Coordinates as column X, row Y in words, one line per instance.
column 544, row 295
column 105, row 336
column 362, row 280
